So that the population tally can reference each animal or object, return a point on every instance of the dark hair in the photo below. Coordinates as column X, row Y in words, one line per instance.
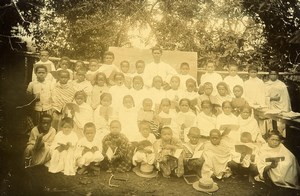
column 81, row 93
column 157, row 47
column 105, row 95
column 38, row 66
column 239, row 86
column 165, row 99
column 274, row 70
column 124, row 62
column 274, row 132
column 137, row 77
column 60, row 72
column 252, row 67
column 206, row 102
column 139, row 61
column 67, row 120
column 118, row 74
column 247, row 107
column 190, row 80
column 224, row 102
column 215, row 131
column 185, row 99
column 82, row 69
column 88, row 125
column 126, row 96
column 93, row 61
column 183, row 64
column 45, row 116
column 98, row 75
column 108, row 53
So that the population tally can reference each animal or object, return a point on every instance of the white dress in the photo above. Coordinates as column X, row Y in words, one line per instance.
column 213, row 78
column 128, row 120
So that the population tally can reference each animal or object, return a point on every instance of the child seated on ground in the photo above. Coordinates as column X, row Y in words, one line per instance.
column 138, row 92
column 81, row 84
column 228, row 124
column 63, row 92
column 80, row 111
column 233, row 79
column 216, row 156
column 168, row 154
column 88, row 153
column 41, row 137
column 238, row 102
column 193, row 150
column 128, row 118
column 276, row 164
column 99, row 88
column 104, row 114
column 174, row 94
column 184, row 119
column 184, row 75
column 63, row 148
column 125, row 67
column 146, row 112
column 144, row 152
column 93, row 70
column 116, row 150
column 248, row 123
column 206, row 120
column 40, row 89
column 243, row 157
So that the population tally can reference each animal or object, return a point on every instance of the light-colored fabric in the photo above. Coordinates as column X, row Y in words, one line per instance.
column 216, row 159
column 232, row 81
column 102, row 118
column 254, row 91
column 186, row 120
column 83, row 116
column 286, row 173
column 213, row 78
column 128, row 120
column 164, row 70
column 61, row 95
column 97, row 91
column 206, row 123
column 250, row 125
column 42, row 155
column 183, row 79
column 85, row 86
column 118, row 93
column 278, row 88
column 138, row 96
column 63, row 161
column 50, row 67
column 234, row 135
column 44, row 91
column 89, row 157
column 108, row 69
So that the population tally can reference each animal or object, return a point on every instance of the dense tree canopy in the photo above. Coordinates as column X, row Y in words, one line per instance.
column 252, row 31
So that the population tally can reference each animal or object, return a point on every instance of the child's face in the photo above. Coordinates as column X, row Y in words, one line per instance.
column 208, row 89
column 45, row 124
column 41, row 74
column 190, row 86
column 44, row 56
column 245, row 114
column 79, row 99
column 90, row 133
column 145, row 130
column 115, row 128
column 166, row 134
column 64, row 65
column 245, row 139
column 125, row 67
column 253, row 73
column 140, row 67
column 93, row 66
column 215, row 138
column 273, row 76
column 80, row 76
column 147, row 105
column 210, row 67
column 108, row 59
column 227, row 108
column 119, row 80
column 128, row 102
column 184, row 106
column 194, row 137
column 175, row 81
column 64, row 78
column 207, row 109
column 101, row 80
column 184, row 69
column 106, row 101
column 137, row 84
column 157, row 83
column 273, row 141
column 78, row 65
column 222, row 90
column 233, row 70
column 165, row 106
column 238, row 92
column 66, row 128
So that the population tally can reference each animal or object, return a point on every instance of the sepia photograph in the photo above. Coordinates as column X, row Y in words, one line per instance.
column 149, row 97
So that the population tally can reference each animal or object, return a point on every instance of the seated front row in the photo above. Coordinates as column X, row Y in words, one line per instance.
column 270, row 162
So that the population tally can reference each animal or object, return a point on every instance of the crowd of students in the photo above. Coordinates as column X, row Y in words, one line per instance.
column 155, row 119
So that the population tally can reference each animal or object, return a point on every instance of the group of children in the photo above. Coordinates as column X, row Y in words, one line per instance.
column 109, row 118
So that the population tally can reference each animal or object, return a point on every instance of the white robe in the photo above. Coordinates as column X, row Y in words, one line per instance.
column 254, row 91
column 213, row 78
column 232, row 81
column 286, row 173
column 206, row 123
column 128, row 120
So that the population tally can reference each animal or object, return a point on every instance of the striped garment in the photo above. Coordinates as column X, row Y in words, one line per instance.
column 62, row 94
